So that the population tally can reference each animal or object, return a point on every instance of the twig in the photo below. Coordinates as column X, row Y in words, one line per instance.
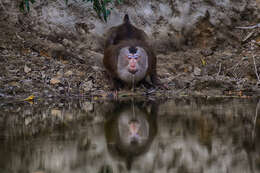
column 181, row 90
column 185, row 87
column 151, row 91
column 235, row 67
column 256, row 69
column 133, row 83
column 248, row 36
column 18, row 36
column 256, row 114
column 178, row 75
column 219, row 69
column 249, row 27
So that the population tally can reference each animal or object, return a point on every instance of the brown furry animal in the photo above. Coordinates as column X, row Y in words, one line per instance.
column 128, row 57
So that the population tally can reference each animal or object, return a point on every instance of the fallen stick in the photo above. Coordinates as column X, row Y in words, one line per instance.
column 249, row 27
column 248, row 36
column 219, row 69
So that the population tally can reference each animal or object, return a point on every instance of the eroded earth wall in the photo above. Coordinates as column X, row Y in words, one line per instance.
column 169, row 22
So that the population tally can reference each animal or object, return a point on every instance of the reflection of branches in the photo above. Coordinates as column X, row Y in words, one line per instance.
column 133, row 107
column 256, row 69
column 2, row 5
column 256, row 114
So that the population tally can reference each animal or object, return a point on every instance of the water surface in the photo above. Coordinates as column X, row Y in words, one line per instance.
column 182, row 135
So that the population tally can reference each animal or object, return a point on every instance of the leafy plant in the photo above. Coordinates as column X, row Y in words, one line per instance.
column 25, row 4
column 100, row 6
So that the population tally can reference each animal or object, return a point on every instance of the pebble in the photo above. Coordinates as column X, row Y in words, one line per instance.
column 197, row 71
column 27, row 69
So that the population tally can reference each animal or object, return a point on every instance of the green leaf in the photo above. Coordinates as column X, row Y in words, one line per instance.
column 107, row 1
column 99, row 6
column 104, row 11
column 108, row 12
column 27, row 5
column 21, row 6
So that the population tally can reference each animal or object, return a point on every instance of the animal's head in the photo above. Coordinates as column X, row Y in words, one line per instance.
column 132, row 64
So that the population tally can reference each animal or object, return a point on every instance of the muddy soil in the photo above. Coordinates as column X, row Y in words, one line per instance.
column 206, row 64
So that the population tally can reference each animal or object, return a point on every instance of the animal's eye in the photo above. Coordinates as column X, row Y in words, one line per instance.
column 135, row 56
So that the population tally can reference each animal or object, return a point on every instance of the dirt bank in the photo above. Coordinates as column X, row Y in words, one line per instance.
column 211, row 60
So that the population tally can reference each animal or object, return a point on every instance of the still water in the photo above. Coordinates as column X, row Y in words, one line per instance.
column 185, row 135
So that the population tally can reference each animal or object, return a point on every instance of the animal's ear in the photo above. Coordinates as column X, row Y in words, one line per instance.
column 126, row 19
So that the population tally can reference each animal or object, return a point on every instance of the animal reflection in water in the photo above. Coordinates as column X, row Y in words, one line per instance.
column 130, row 130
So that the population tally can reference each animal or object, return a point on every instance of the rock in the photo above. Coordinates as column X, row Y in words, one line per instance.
column 14, row 84
column 43, row 75
column 87, row 86
column 245, row 58
column 67, row 42
column 88, row 107
column 2, row 95
column 60, row 73
column 27, row 69
column 5, row 52
column 68, row 73
column 45, row 92
column 3, row 46
column 197, row 71
column 96, row 68
column 28, row 120
column 55, row 81
column 50, row 96
column 56, row 112
column 27, row 82
column 68, row 116
column 206, row 52
column 61, row 90
column 226, row 55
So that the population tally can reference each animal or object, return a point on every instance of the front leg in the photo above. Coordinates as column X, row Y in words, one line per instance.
column 116, row 84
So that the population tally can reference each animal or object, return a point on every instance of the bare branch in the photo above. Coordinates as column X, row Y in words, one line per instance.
column 248, row 36
column 256, row 114
column 219, row 69
column 249, row 27
column 257, row 75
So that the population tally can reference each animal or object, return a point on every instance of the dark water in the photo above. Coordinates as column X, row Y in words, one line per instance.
column 78, row 136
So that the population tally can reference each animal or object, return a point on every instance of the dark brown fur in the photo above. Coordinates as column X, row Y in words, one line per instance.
column 127, row 35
